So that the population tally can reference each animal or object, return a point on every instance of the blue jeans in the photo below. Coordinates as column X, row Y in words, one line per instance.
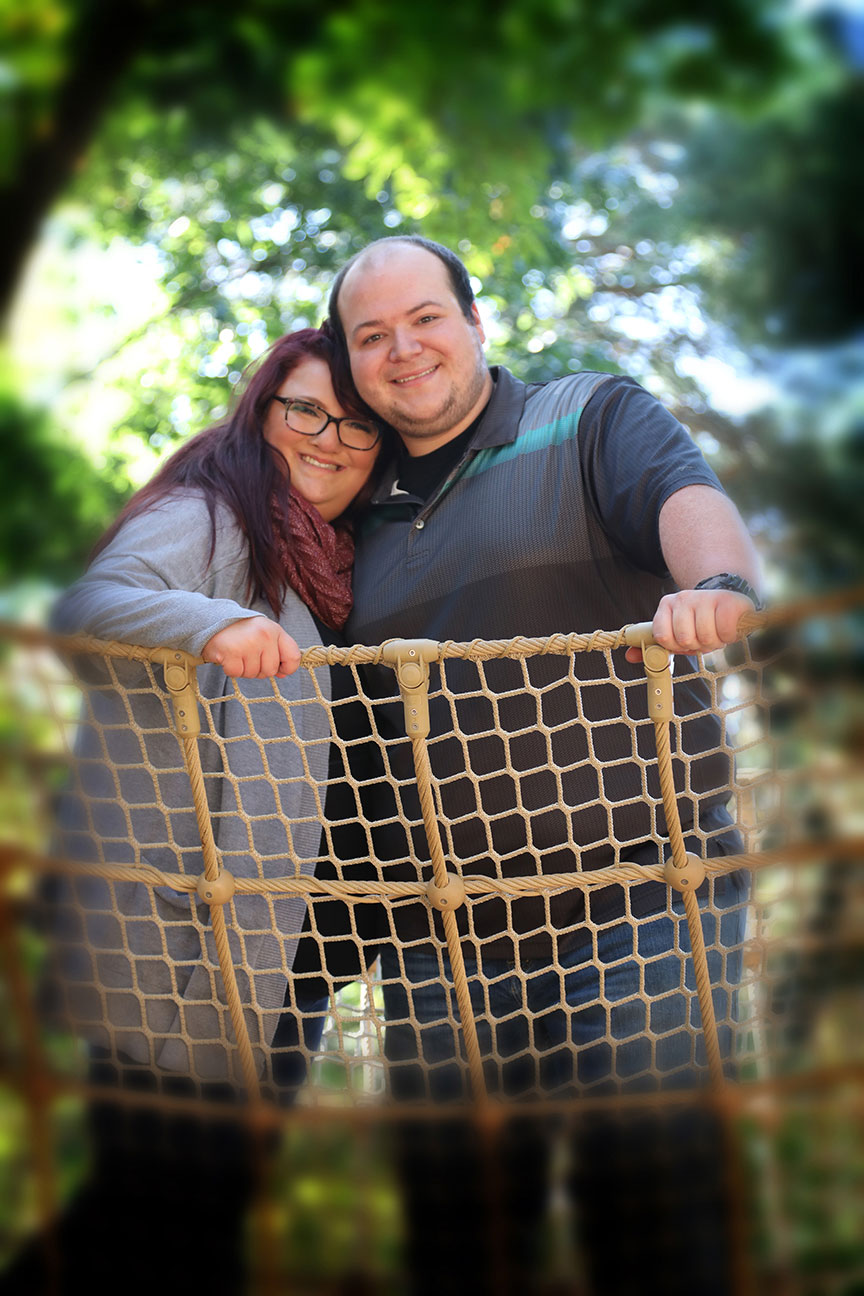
column 298, row 1036
column 618, row 1010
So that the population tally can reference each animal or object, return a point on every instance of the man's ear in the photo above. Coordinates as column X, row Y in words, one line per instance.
column 475, row 314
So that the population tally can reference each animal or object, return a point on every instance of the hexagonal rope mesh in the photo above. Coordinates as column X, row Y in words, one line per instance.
column 535, row 871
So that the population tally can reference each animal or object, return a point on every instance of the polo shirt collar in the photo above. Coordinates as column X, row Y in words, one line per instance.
column 500, row 422
column 498, row 426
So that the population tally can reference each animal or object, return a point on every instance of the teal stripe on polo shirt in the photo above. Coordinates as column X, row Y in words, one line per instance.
column 556, row 433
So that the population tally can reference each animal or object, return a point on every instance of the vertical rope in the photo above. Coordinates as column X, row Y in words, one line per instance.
column 703, row 988
column 192, row 759
column 691, row 904
column 667, row 791
column 423, row 771
column 263, row 1222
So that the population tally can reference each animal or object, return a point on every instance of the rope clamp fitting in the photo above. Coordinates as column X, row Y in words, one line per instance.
column 658, row 669
column 450, row 896
column 657, row 662
column 688, row 877
column 179, row 681
column 410, row 659
column 216, row 890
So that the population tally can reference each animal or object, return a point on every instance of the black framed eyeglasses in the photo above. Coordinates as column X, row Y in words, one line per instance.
column 311, row 420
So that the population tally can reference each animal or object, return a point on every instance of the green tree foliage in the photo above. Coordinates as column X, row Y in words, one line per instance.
column 793, row 219
column 53, row 504
column 417, row 102
column 571, row 153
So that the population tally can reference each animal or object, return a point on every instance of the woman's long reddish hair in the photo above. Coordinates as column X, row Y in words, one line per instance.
column 232, row 463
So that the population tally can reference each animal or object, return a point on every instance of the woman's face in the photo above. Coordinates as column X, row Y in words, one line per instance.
column 324, row 471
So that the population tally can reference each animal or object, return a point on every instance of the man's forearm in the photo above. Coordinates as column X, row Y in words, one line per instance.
column 702, row 534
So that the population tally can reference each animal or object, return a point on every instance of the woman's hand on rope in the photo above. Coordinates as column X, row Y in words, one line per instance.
column 696, row 621
column 253, row 648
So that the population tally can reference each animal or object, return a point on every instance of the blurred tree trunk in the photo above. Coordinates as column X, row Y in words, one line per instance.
column 103, row 45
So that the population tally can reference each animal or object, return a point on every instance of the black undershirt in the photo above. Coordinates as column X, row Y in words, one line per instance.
column 343, row 959
column 420, row 474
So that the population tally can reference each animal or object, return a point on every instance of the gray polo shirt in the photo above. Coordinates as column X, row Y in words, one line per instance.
column 548, row 523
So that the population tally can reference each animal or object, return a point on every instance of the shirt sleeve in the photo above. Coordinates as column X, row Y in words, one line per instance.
column 635, row 454
column 157, row 584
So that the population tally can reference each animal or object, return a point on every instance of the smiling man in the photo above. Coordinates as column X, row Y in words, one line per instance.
column 420, row 361
column 529, row 509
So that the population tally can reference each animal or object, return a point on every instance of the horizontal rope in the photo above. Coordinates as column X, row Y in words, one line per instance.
column 761, row 1098
column 473, row 650
column 621, row 874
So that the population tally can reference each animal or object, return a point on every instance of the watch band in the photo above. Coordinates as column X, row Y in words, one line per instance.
column 736, row 584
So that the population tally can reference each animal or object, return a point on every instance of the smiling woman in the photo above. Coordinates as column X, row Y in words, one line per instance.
column 328, row 456
column 240, row 551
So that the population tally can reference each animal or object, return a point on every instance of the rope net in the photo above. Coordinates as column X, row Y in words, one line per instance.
column 191, row 911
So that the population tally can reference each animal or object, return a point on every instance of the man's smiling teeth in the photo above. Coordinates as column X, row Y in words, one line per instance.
column 413, row 377
column 319, row 463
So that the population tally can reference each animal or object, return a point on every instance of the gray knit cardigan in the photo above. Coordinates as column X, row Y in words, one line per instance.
column 139, row 968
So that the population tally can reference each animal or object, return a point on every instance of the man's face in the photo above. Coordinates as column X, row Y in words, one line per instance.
column 415, row 358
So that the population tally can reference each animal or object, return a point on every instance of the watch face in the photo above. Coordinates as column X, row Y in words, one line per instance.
column 736, row 584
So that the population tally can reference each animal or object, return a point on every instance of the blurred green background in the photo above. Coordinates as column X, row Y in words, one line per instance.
column 667, row 189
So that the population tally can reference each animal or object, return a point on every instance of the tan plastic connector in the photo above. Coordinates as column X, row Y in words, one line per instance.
column 179, row 681
column 658, row 668
column 688, row 877
column 639, row 634
column 218, row 890
column 450, row 896
column 657, row 663
column 410, row 659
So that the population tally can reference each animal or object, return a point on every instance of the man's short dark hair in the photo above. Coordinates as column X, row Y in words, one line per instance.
column 459, row 279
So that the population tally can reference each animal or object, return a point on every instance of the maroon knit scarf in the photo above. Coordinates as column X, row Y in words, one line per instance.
column 317, row 558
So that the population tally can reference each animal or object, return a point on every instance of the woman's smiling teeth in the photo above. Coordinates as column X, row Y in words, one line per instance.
column 320, row 463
